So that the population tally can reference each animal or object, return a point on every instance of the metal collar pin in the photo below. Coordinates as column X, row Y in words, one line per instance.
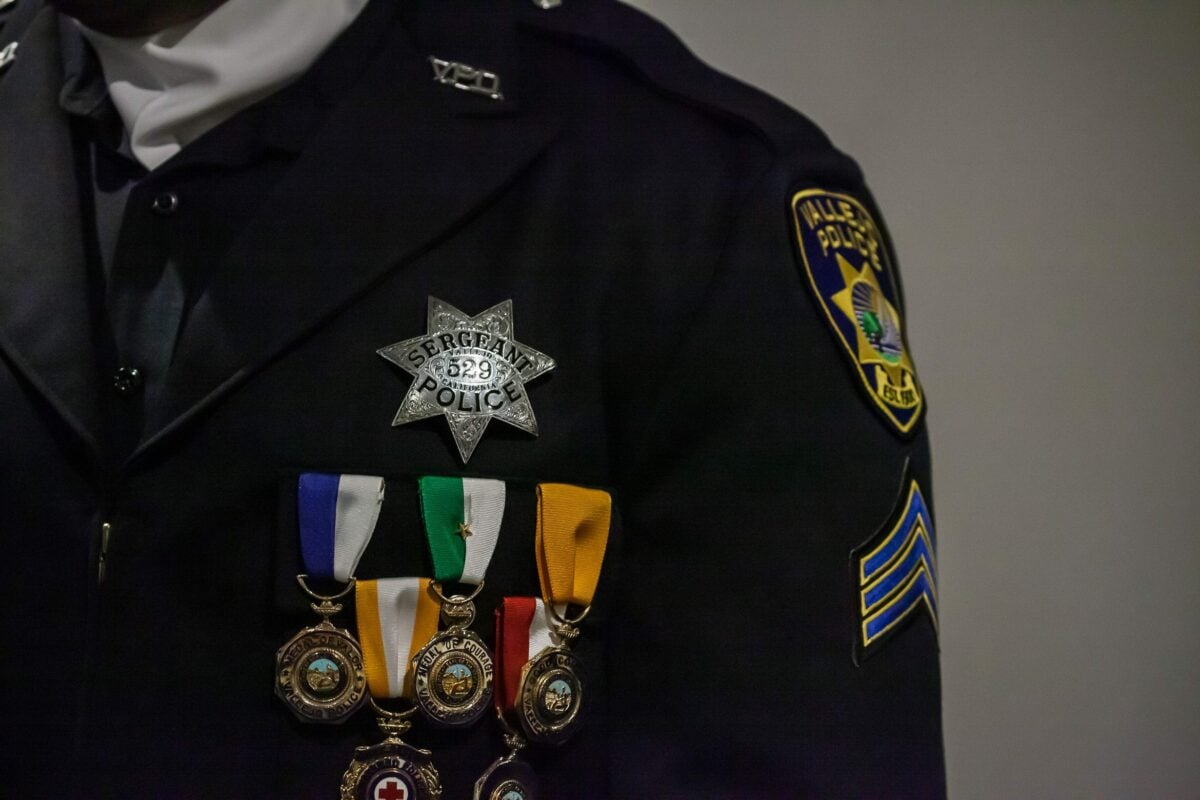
column 8, row 54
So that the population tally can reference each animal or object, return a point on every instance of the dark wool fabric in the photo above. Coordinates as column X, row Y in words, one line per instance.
column 633, row 205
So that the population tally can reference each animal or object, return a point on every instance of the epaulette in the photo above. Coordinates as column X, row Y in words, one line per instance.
column 656, row 55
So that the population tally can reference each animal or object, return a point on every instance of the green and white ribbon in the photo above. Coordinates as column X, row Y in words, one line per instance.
column 462, row 525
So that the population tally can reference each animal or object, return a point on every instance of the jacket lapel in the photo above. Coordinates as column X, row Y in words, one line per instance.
column 400, row 162
column 45, row 321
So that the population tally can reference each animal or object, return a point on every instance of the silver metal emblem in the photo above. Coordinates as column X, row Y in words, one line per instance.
column 470, row 370
column 8, row 54
column 550, row 696
column 466, row 77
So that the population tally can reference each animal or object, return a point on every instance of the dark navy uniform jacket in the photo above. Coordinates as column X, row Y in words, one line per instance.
column 635, row 206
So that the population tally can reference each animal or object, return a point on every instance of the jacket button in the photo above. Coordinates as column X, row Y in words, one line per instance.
column 127, row 380
column 165, row 204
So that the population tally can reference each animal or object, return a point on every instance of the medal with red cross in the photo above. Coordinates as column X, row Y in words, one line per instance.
column 391, row 770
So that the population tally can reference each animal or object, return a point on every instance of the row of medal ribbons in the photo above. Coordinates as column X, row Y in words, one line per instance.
column 415, row 653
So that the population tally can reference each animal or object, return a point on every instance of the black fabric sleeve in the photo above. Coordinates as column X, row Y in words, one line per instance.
column 732, row 658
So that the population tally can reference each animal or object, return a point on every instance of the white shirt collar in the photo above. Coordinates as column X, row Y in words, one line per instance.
column 172, row 87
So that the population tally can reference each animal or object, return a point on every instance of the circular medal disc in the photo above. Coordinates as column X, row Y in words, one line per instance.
column 319, row 674
column 507, row 779
column 390, row 777
column 550, row 696
column 452, row 679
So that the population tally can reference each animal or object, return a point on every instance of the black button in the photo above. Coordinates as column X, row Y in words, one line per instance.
column 165, row 204
column 127, row 380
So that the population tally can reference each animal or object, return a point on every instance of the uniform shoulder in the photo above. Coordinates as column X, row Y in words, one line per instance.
column 650, row 52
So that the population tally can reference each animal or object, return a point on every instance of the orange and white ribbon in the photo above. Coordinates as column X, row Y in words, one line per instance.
column 396, row 617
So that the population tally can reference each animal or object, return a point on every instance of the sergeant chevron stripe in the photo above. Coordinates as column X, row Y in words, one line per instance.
column 896, row 571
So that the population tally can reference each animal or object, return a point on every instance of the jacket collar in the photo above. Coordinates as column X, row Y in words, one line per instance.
column 402, row 158
column 46, row 327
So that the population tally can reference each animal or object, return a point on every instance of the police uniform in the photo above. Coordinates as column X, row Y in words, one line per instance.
column 716, row 290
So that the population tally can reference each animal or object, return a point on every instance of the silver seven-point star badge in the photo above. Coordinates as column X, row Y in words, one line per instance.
column 470, row 370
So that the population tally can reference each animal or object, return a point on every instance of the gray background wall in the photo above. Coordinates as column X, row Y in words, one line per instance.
column 1039, row 166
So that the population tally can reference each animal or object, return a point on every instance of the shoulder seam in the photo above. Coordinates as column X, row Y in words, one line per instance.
column 607, row 27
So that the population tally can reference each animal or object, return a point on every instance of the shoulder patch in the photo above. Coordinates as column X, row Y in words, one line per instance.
column 895, row 573
column 852, row 278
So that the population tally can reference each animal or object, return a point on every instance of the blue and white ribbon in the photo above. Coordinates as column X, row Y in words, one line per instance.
column 337, row 514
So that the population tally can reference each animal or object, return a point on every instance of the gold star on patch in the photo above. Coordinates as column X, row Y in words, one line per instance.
column 880, row 340
column 469, row 369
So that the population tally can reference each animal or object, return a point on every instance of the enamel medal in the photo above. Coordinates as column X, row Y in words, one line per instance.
column 319, row 672
column 392, row 769
column 453, row 672
column 394, row 615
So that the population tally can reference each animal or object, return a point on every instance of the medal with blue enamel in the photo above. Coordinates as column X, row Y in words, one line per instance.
column 319, row 672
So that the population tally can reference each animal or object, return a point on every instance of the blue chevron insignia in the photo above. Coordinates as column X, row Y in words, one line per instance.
column 897, row 573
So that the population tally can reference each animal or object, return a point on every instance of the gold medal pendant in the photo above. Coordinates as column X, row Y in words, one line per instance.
column 550, row 696
column 391, row 770
column 573, row 525
column 508, row 778
column 453, row 673
column 319, row 672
